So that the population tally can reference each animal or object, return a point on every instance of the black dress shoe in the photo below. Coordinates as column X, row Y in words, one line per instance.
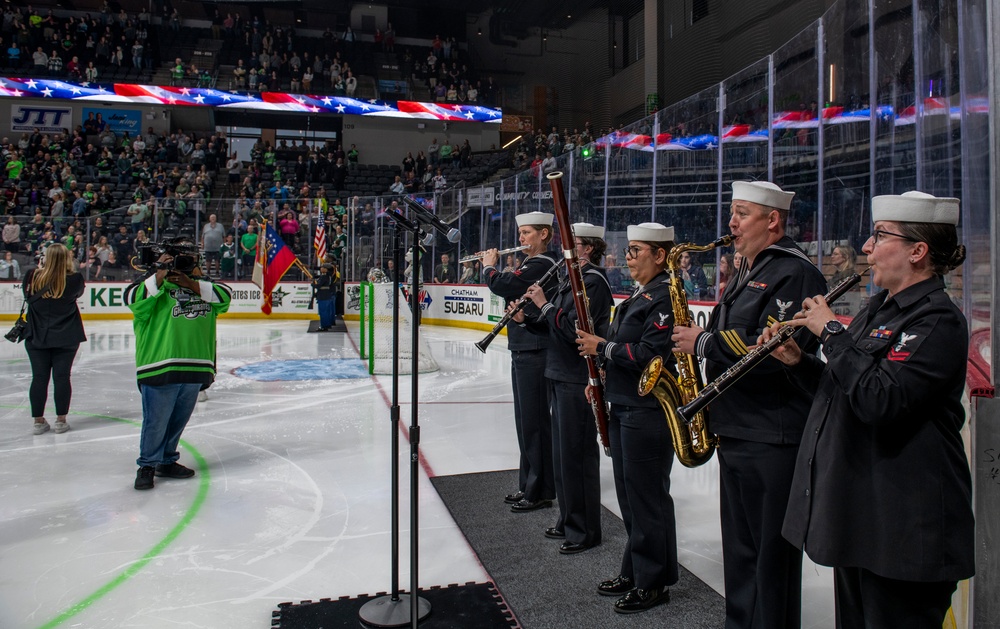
column 639, row 600
column 529, row 505
column 572, row 548
column 555, row 533
column 512, row 498
column 615, row 587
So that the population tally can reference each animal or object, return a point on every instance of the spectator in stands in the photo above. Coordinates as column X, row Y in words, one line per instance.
column 288, row 226
column 103, row 249
column 9, row 267
column 12, row 235
column 439, row 181
column 248, row 247
column 79, row 208
column 122, row 243
column 726, row 273
column 41, row 62
column 14, row 55
column 138, row 212
column 443, row 273
column 445, row 154
column 212, row 236
column 113, row 269
column 695, row 282
column 397, row 186
column 177, row 72
column 549, row 164
column 843, row 259
column 350, row 84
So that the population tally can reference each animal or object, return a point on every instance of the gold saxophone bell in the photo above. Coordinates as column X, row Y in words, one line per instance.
column 692, row 447
column 693, row 444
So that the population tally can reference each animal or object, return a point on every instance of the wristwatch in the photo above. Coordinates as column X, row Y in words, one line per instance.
column 832, row 327
column 601, row 346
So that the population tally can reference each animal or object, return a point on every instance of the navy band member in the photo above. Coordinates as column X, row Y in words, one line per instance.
column 641, row 451
column 536, row 487
column 575, row 453
column 760, row 418
column 882, row 490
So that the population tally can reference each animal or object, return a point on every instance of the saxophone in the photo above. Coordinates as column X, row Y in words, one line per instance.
column 693, row 444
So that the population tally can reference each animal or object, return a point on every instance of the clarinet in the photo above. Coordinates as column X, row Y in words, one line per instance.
column 518, row 307
column 716, row 387
column 583, row 319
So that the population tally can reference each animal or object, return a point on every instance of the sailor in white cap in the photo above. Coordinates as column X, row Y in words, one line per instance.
column 577, row 460
column 882, row 489
column 641, row 451
column 759, row 420
column 536, row 486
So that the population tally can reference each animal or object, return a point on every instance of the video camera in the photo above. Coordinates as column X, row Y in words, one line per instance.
column 186, row 257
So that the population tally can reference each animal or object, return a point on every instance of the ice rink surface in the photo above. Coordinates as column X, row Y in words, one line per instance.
column 291, row 500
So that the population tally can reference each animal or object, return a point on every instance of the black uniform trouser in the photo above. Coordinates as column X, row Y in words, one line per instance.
column 533, row 422
column 642, row 455
column 577, row 463
column 864, row 599
column 763, row 572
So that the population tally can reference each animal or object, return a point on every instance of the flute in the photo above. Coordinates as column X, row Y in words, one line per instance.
column 716, row 387
column 479, row 256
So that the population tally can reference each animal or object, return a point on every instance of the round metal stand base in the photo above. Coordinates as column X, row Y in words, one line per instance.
column 385, row 612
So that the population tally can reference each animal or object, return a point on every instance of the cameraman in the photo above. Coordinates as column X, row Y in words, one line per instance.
column 174, row 321
column 325, row 287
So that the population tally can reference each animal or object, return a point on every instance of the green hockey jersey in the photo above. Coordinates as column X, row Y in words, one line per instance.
column 175, row 331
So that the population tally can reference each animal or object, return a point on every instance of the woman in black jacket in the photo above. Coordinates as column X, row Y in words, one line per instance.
column 55, row 331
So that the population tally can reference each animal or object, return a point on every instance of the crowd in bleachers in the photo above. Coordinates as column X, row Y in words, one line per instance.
column 80, row 48
column 84, row 187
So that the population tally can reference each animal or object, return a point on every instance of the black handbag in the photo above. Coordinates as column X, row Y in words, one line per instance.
column 20, row 330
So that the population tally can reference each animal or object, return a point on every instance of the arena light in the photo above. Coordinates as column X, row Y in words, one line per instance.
column 512, row 141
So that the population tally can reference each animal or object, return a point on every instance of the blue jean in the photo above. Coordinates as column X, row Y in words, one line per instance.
column 166, row 410
column 327, row 312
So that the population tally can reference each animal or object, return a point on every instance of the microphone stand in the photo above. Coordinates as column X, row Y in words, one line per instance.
column 398, row 610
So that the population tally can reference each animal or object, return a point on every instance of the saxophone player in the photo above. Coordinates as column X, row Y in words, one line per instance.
column 536, row 488
column 576, row 459
column 761, row 418
column 641, row 451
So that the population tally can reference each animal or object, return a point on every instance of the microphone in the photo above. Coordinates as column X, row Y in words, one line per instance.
column 452, row 234
column 427, row 238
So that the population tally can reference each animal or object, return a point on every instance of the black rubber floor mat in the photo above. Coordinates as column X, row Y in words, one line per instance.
column 469, row 606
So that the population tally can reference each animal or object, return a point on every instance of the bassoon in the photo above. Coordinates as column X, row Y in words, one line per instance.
column 585, row 321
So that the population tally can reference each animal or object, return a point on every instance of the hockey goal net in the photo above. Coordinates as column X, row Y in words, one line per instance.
column 376, row 332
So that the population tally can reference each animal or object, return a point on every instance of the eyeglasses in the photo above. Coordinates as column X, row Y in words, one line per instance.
column 878, row 233
column 632, row 251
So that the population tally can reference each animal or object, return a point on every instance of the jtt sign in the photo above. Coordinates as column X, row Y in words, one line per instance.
column 44, row 119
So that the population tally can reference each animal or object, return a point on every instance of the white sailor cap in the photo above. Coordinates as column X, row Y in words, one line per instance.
column 651, row 232
column 586, row 230
column 534, row 218
column 763, row 193
column 915, row 207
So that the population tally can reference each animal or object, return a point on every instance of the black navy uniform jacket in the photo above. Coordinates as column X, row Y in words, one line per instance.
column 641, row 330
column 763, row 405
column 511, row 285
column 55, row 322
column 558, row 321
column 325, row 287
column 881, row 480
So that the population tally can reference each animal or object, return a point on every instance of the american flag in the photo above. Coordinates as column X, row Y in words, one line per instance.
column 319, row 241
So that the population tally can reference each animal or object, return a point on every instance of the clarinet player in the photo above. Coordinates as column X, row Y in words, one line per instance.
column 641, row 451
column 882, row 490
column 576, row 456
column 532, row 421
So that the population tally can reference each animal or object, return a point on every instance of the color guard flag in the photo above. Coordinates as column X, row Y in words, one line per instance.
column 319, row 241
column 273, row 261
